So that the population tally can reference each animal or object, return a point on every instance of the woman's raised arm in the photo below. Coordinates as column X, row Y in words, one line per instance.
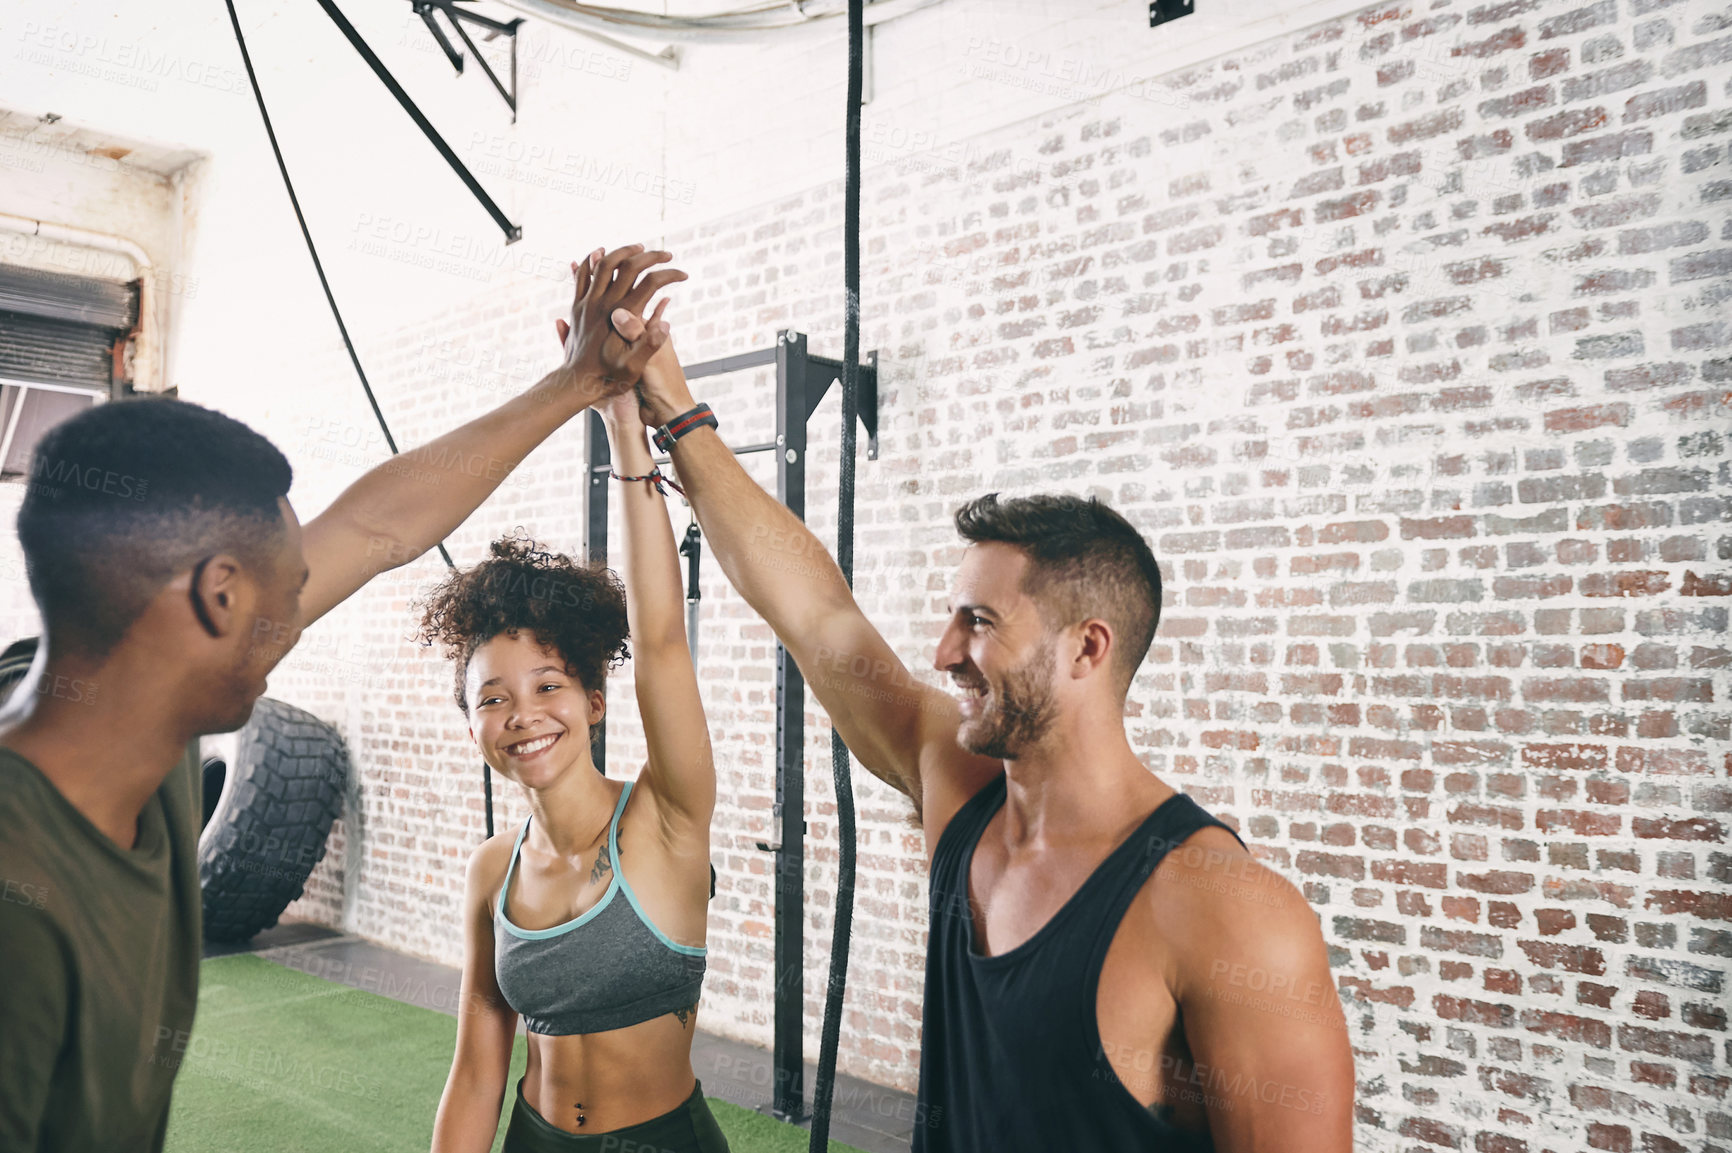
column 681, row 770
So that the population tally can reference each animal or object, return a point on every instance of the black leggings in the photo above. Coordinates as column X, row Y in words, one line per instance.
column 688, row 1127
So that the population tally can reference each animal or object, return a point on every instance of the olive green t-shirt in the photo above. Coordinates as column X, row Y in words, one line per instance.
column 99, row 956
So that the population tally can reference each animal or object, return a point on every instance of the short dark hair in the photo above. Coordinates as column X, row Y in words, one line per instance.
column 125, row 495
column 575, row 609
column 1085, row 560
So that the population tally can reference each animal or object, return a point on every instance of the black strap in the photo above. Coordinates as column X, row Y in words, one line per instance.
column 343, row 329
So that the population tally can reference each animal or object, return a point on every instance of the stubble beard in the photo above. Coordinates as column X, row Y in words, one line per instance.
column 1020, row 714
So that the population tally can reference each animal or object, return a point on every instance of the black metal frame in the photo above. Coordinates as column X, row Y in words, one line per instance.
column 1161, row 11
column 459, row 17
column 802, row 380
column 512, row 232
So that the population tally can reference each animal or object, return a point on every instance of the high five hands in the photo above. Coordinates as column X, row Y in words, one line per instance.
column 607, row 342
column 662, row 393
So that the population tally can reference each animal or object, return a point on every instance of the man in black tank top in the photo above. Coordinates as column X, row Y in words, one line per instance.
column 1108, row 968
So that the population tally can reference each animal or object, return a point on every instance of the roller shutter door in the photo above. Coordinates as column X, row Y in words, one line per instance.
column 58, row 340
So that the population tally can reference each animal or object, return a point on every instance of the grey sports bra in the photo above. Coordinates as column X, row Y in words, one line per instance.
column 605, row 969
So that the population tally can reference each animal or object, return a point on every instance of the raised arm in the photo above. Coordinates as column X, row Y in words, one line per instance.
column 408, row 504
column 902, row 730
column 681, row 772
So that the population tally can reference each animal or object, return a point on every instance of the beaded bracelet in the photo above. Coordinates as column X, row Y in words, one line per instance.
column 656, row 477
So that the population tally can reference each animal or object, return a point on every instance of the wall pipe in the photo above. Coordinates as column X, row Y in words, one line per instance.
column 149, row 365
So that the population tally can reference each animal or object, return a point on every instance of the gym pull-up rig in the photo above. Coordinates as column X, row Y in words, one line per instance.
column 802, row 381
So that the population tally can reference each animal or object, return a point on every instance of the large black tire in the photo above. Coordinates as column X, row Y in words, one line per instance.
column 269, row 828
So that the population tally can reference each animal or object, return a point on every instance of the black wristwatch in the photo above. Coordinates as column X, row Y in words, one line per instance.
column 685, row 422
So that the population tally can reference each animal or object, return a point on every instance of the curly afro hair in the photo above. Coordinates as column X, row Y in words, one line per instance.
column 577, row 610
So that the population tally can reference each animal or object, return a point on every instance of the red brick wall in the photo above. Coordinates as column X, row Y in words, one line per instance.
column 1404, row 339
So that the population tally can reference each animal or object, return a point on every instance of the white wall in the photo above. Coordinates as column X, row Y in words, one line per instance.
column 1441, row 548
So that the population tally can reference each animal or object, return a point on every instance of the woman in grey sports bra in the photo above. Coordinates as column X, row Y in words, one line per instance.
column 587, row 920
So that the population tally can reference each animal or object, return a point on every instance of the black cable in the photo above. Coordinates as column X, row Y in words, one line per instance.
column 841, row 927
column 343, row 329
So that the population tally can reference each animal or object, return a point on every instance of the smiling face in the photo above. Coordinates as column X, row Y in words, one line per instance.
column 528, row 716
column 1000, row 654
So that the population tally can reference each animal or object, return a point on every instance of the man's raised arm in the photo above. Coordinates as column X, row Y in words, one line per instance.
column 899, row 728
column 408, row 504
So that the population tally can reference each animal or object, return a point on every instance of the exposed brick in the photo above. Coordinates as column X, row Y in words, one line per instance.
column 1517, row 103
column 1665, row 101
column 1700, row 265
column 1405, row 345
column 1568, row 1027
column 1402, row 872
column 1548, row 63
column 1677, row 829
column 1426, row 127
column 1615, row 1138
column 1579, row 20
column 1666, row 1043
column 1573, row 122
column 1572, row 958
column 1473, row 1012
column 1624, row 584
column 1495, row 882
column 1609, row 147
column 1709, row 585
column 1613, row 281
column 1587, row 758
column 1587, row 418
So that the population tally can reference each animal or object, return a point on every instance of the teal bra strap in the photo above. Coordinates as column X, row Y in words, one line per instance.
column 619, row 874
column 499, row 909
column 613, row 884
column 613, row 828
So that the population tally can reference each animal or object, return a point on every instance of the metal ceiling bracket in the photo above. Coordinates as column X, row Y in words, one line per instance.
column 458, row 17
column 512, row 232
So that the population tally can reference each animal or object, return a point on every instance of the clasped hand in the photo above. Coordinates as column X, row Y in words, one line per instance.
column 607, row 343
column 608, row 340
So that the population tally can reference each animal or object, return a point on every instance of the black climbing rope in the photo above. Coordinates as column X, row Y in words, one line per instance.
column 841, row 926
column 343, row 329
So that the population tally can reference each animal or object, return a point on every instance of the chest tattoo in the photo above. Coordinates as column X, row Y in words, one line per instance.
column 602, row 867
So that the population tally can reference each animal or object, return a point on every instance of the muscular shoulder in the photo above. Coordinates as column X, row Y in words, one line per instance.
column 1219, row 908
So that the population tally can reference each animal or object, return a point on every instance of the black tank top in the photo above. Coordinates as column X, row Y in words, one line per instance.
column 1011, row 1057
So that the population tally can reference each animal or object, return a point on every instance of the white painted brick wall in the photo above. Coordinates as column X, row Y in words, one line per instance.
column 1402, row 334
column 1434, row 437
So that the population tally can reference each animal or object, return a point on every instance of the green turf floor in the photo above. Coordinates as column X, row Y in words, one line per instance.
column 284, row 1062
